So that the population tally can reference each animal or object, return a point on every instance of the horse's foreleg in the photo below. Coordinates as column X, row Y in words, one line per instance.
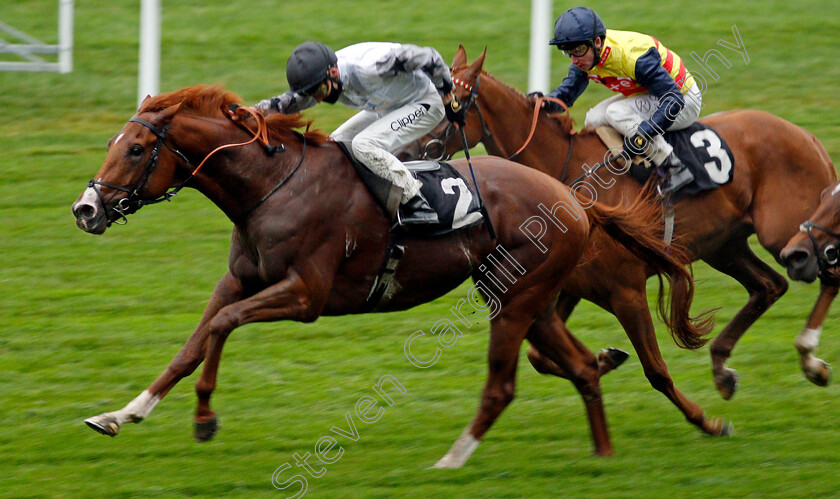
column 506, row 337
column 815, row 369
column 228, row 290
column 287, row 299
column 764, row 285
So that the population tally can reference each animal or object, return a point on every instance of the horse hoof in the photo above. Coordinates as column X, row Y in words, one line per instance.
column 727, row 383
column 820, row 374
column 207, row 430
column 104, row 424
column 722, row 428
column 611, row 358
column 447, row 462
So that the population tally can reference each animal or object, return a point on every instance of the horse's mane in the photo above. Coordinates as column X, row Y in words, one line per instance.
column 208, row 100
column 567, row 123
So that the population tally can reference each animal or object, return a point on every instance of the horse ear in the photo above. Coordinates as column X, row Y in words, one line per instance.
column 143, row 101
column 460, row 57
column 230, row 111
column 475, row 68
column 167, row 114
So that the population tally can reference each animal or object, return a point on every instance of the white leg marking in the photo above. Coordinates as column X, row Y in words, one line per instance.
column 461, row 450
column 808, row 340
column 138, row 409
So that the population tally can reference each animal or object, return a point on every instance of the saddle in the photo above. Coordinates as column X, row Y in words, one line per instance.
column 707, row 158
column 455, row 210
column 447, row 192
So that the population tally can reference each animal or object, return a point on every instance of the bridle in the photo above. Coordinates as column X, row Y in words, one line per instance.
column 443, row 139
column 128, row 205
column 830, row 255
column 132, row 203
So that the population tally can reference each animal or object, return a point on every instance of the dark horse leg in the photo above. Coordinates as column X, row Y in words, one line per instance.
column 228, row 290
column 552, row 338
column 764, row 286
column 608, row 359
column 287, row 299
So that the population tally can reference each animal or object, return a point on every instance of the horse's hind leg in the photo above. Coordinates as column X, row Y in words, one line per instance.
column 815, row 369
column 228, row 290
column 608, row 359
column 551, row 337
column 630, row 307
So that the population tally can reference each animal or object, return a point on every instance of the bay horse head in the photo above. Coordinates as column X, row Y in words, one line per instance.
column 498, row 116
column 814, row 250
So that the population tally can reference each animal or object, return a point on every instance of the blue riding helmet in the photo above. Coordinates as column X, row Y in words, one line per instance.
column 309, row 66
column 576, row 26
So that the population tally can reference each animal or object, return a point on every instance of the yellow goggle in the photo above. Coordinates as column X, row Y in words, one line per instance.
column 578, row 51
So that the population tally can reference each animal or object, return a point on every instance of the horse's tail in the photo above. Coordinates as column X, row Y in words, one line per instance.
column 637, row 227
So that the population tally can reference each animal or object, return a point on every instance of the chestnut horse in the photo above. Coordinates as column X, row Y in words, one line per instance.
column 309, row 239
column 771, row 157
column 812, row 253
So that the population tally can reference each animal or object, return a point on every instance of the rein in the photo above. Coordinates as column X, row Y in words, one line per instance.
column 447, row 132
column 830, row 255
column 485, row 131
column 132, row 203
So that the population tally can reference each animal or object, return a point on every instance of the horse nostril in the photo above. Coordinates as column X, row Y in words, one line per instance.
column 795, row 258
column 84, row 211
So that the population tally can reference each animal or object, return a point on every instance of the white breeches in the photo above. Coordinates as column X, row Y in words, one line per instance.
column 374, row 135
column 626, row 113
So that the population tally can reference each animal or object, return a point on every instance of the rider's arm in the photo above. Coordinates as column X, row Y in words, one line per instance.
column 408, row 58
column 652, row 75
column 286, row 103
column 572, row 86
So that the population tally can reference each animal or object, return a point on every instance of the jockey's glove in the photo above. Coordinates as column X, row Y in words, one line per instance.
column 635, row 145
column 455, row 112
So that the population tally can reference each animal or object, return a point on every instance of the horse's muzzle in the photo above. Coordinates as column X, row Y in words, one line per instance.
column 90, row 217
column 801, row 263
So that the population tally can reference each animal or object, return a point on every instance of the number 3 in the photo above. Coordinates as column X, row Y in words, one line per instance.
column 718, row 174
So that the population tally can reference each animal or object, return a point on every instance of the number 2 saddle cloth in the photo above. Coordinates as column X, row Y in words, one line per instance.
column 451, row 195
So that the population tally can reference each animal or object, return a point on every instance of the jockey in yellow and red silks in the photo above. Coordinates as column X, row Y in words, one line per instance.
column 656, row 91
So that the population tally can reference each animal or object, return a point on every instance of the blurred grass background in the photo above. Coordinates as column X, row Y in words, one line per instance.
column 88, row 322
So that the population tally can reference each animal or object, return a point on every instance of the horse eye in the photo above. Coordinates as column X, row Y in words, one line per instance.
column 135, row 150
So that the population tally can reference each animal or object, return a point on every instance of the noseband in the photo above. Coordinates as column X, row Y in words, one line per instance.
column 132, row 203
column 830, row 255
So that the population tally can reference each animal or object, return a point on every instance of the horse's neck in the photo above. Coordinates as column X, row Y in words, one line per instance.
column 236, row 178
column 509, row 119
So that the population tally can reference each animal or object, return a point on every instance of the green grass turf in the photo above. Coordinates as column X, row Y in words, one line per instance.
column 88, row 322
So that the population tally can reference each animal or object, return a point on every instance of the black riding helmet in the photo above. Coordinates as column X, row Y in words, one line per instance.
column 309, row 66
column 576, row 26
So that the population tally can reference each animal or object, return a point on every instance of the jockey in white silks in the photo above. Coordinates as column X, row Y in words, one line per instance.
column 402, row 92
